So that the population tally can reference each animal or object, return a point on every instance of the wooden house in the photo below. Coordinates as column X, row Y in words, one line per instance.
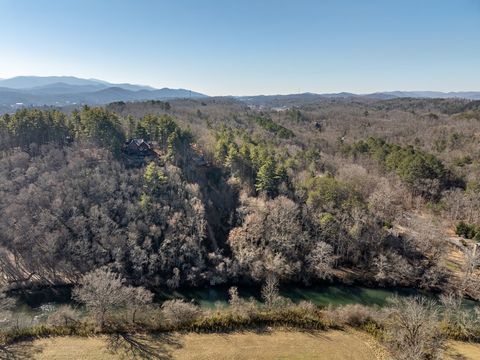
column 138, row 147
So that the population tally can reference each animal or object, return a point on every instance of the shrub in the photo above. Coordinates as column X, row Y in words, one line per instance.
column 459, row 323
column 178, row 312
column 355, row 315
column 65, row 315
column 239, row 306
column 307, row 306
column 468, row 231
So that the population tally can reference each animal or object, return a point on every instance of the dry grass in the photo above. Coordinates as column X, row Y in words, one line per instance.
column 278, row 344
column 94, row 348
column 463, row 351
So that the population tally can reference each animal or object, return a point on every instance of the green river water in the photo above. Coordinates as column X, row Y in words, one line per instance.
column 319, row 295
column 40, row 301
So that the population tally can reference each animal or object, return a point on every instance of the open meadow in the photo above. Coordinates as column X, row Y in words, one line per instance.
column 264, row 345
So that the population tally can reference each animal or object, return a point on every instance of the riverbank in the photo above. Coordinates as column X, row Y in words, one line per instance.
column 155, row 329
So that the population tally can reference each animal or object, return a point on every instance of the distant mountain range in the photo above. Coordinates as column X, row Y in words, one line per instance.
column 296, row 99
column 69, row 90
column 471, row 95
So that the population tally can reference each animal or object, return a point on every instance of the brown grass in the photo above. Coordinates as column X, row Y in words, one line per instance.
column 277, row 344
column 463, row 351
column 94, row 348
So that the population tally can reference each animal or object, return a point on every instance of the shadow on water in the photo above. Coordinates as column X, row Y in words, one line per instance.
column 324, row 295
column 319, row 295
column 35, row 297
column 343, row 295
column 35, row 302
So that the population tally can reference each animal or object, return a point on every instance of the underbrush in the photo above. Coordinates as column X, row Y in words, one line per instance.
column 154, row 321
column 244, row 315
column 461, row 333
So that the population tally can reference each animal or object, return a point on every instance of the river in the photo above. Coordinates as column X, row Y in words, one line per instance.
column 45, row 300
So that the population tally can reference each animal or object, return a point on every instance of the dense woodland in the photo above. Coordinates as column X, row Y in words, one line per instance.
column 376, row 192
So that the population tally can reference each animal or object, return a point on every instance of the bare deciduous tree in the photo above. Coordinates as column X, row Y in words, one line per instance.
column 138, row 299
column 270, row 291
column 102, row 290
column 463, row 322
column 413, row 329
column 471, row 279
column 321, row 259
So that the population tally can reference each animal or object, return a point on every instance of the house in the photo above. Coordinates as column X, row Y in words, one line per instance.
column 137, row 147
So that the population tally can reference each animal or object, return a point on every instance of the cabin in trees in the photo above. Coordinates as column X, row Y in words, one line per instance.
column 138, row 147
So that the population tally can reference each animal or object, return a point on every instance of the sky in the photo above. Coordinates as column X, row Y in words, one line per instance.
column 227, row 47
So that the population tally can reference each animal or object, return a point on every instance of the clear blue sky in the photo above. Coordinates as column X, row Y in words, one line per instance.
column 222, row 47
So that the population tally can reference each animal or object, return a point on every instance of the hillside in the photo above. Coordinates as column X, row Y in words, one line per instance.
column 344, row 175
column 258, row 201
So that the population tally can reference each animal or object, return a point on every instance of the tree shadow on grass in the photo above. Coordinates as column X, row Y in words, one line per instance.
column 143, row 346
column 456, row 356
column 270, row 330
column 18, row 351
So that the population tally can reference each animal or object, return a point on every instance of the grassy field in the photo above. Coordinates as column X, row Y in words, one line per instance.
column 463, row 351
column 279, row 344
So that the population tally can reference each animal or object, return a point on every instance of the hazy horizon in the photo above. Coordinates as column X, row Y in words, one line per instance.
column 248, row 48
column 253, row 95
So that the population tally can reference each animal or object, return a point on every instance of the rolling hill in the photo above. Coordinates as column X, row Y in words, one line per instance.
column 68, row 90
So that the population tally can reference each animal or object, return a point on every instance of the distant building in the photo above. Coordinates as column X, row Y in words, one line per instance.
column 137, row 147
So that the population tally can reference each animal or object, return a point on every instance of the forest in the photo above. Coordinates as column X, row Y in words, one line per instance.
column 379, row 193
column 373, row 192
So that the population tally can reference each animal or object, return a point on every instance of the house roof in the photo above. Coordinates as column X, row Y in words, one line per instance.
column 139, row 142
